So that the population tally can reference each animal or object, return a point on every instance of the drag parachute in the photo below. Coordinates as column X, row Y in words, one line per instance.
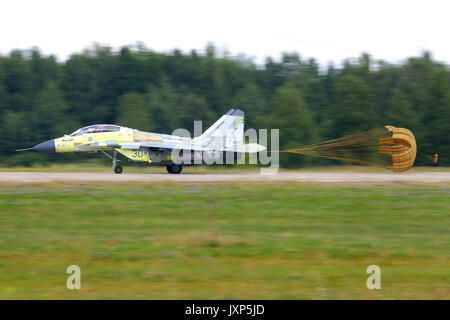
column 401, row 145
column 394, row 149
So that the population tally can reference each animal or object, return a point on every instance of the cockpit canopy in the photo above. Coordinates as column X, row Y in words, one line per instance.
column 96, row 128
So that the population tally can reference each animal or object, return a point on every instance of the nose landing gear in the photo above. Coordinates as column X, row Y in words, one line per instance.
column 117, row 169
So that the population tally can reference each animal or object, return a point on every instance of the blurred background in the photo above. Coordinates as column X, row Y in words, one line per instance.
column 133, row 86
column 50, row 85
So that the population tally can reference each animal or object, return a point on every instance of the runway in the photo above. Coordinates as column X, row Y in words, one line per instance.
column 227, row 177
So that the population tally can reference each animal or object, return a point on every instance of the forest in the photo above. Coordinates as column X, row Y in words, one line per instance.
column 43, row 98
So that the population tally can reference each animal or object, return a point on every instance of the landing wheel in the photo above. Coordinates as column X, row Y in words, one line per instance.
column 118, row 169
column 174, row 168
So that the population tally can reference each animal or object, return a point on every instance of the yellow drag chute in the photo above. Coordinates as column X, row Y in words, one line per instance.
column 395, row 152
column 401, row 145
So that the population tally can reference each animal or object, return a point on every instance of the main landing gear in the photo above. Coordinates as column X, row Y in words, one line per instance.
column 174, row 168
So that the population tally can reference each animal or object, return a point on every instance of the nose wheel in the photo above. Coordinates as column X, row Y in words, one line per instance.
column 117, row 169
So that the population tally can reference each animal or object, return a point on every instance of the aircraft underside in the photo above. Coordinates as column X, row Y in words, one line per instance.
column 174, row 161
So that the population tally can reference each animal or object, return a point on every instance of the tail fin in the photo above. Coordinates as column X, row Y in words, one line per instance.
column 228, row 130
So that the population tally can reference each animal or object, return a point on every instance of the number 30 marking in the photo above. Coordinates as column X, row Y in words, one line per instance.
column 138, row 153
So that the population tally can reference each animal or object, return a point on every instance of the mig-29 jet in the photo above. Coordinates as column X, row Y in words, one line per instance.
column 224, row 138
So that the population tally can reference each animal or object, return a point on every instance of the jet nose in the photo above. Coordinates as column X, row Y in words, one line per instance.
column 47, row 146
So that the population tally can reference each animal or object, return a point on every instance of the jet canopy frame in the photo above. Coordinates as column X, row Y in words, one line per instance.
column 96, row 128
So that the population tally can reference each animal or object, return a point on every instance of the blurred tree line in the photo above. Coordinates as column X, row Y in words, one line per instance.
column 41, row 99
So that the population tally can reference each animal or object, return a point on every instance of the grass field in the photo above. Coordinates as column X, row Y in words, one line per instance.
column 234, row 241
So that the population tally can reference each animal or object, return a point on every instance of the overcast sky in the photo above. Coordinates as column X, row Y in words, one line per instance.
column 327, row 30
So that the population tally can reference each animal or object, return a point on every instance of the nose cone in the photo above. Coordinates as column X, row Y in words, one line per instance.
column 47, row 146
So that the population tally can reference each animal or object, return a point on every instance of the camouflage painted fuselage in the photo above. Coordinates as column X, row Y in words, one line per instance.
column 223, row 140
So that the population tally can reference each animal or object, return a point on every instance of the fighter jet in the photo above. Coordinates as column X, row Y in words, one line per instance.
column 223, row 139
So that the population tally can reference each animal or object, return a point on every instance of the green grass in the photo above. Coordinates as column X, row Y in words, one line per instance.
column 236, row 241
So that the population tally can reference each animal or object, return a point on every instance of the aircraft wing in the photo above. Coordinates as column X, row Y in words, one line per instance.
column 186, row 145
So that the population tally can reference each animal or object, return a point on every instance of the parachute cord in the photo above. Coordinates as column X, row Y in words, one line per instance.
column 329, row 155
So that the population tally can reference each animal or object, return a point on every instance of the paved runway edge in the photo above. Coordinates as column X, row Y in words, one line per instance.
column 305, row 177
